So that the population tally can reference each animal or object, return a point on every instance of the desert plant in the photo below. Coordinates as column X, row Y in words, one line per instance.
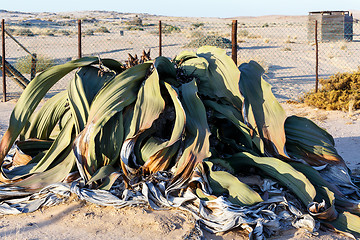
column 197, row 25
column 88, row 32
column 253, row 36
column 137, row 21
column 24, row 64
column 338, row 92
column 185, row 133
column 243, row 33
column 167, row 29
column 64, row 32
column 209, row 41
column 102, row 29
column 343, row 47
column 50, row 32
column 23, row 32
column 134, row 28
column 288, row 40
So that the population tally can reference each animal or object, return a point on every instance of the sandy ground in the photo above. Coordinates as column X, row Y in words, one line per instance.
column 80, row 220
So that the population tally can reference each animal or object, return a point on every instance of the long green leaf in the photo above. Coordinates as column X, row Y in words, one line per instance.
column 261, row 109
column 43, row 122
column 82, row 90
column 222, row 76
column 239, row 193
column 160, row 156
column 305, row 140
column 112, row 98
column 61, row 143
column 197, row 142
column 31, row 97
column 55, row 174
column 347, row 222
column 294, row 180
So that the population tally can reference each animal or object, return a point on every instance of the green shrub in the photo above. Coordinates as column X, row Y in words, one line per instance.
column 23, row 64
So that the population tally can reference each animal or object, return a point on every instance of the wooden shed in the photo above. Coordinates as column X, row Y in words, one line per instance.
column 332, row 26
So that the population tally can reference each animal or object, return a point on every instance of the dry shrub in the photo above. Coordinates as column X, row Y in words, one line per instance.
column 23, row 64
column 339, row 92
column 210, row 41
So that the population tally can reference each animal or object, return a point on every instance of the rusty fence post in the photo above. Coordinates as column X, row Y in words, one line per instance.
column 33, row 66
column 79, row 39
column 316, row 57
column 234, row 41
column 3, row 58
column 160, row 39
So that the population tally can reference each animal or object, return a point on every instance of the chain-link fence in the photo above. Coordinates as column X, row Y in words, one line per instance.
column 285, row 49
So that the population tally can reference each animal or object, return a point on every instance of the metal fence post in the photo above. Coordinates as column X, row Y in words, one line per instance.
column 33, row 66
column 79, row 39
column 3, row 58
column 316, row 57
column 234, row 41
column 160, row 39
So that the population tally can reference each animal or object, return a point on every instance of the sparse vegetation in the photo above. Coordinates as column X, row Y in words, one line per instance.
column 64, row 32
column 135, row 28
column 197, row 25
column 197, row 34
column 23, row 64
column 289, row 41
column 137, row 21
column 102, row 30
column 167, row 29
column 50, row 32
column 339, row 92
column 89, row 32
column 243, row 33
column 210, row 41
column 253, row 36
column 343, row 47
column 23, row 32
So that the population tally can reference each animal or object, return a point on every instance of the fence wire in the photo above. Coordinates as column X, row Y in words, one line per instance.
column 285, row 49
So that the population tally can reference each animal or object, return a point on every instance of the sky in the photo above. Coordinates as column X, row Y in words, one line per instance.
column 185, row 8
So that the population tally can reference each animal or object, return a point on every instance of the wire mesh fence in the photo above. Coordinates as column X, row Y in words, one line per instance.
column 285, row 49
